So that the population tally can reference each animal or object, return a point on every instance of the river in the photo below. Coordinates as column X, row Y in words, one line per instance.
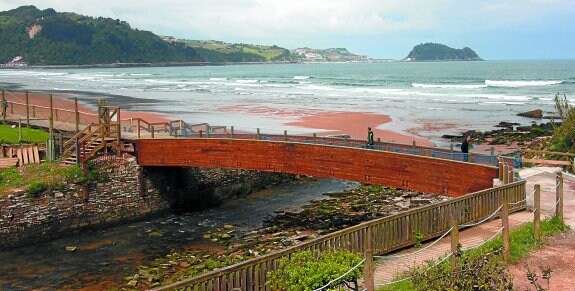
column 104, row 256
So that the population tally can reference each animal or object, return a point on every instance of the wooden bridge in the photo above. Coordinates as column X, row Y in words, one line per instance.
column 418, row 173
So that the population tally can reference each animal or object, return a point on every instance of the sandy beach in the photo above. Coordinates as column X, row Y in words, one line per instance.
column 64, row 101
column 355, row 124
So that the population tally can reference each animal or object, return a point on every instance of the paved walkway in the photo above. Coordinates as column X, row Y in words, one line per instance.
column 387, row 269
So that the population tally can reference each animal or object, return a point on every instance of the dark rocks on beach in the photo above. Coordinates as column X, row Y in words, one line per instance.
column 523, row 135
column 537, row 113
column 506, row 124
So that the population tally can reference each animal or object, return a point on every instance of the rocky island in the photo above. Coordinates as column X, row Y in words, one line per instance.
column 439, row 52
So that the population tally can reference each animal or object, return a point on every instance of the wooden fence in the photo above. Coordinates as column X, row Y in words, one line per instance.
column 386, row 235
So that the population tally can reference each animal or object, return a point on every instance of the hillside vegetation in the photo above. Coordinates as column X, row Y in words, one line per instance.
column 227, row 52
column 440, row 52
column 47, row 37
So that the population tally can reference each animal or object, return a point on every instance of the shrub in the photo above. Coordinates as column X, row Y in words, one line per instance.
column 563, row 139
column 307, row 270
column 35, row 189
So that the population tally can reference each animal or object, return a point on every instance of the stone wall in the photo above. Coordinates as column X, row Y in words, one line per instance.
column 128, row 193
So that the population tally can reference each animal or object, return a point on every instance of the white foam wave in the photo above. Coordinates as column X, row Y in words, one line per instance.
column 503, row 102
column 218, row 79
column 247, row 81
column 449, row 86
column 505, row 83
column 503, row 97
column 301, row 77
column 139, row 74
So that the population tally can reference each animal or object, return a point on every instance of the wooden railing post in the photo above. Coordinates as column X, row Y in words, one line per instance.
column 368, row 278
column 257, row 133
column 559, row 196
column 33, row 111
column 505, row 233
column 454, row 245
column 153, row 131
column 537, row 213
column 285, row 135
column 4, row 109
column 138, row 129
column 501, row 171
column 28, row 109
column 119, row 127
column 201, row 133
column 469, row 157
column 51, row 117
column 77, row 114
column 176, row 133
column 414, row 144
column 492, row 151
column 19, row 130
column 505, row 175
column 232, row 131
column 427, row 153
column 315, row 138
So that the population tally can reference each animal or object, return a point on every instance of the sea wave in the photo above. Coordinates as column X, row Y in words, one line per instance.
column 247, row 81
column 449, row 86
column 218, row 79
column 507, row 83
column 301, row 77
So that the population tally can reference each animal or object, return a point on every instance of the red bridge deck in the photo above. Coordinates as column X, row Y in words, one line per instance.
column 369, row 166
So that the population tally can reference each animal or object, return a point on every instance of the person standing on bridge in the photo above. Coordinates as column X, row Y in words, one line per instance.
column 4, row 106
column 369, row 138
column 465, row 148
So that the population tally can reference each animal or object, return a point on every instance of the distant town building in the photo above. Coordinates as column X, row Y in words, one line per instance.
column 16, row 62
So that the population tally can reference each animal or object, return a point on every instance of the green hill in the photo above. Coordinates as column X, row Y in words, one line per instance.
column 440, row 52
column 237, row 52
column 46, row 37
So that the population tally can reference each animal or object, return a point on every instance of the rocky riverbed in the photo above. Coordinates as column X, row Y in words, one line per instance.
column 231, row 244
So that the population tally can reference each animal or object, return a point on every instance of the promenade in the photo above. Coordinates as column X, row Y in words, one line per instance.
column 388, row 267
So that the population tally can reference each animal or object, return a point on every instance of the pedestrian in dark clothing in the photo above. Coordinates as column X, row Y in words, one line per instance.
column 465, row 148
column 369, row 138
column 4, row 107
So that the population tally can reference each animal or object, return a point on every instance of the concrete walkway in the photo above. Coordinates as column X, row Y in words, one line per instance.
column 388, row 268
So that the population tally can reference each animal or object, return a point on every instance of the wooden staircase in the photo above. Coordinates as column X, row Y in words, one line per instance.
column 94, row 138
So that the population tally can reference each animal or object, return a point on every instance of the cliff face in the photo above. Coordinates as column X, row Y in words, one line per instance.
column 440, row 52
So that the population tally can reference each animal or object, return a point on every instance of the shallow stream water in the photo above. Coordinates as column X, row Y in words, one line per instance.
column 103, row 257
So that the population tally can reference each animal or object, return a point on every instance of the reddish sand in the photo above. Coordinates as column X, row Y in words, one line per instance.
column 58, row 101
column 355, row 124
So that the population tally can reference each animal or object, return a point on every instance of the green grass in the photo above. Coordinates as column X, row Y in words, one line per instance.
column 521, row 243
column 9, row 135
column 50, row 175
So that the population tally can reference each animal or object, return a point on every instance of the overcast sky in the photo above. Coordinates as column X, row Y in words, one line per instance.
column 512, row 29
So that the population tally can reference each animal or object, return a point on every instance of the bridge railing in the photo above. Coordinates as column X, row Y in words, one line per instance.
column 302, row 137
column 387, row 234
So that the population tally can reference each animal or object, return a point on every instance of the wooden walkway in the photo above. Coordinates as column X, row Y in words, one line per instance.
column 387, row 269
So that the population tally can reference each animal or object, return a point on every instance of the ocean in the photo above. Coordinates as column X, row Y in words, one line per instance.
column 424, row 98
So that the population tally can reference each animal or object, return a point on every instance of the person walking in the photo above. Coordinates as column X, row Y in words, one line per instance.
column 4, row 107
column 465, row 148
column 369, row 138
